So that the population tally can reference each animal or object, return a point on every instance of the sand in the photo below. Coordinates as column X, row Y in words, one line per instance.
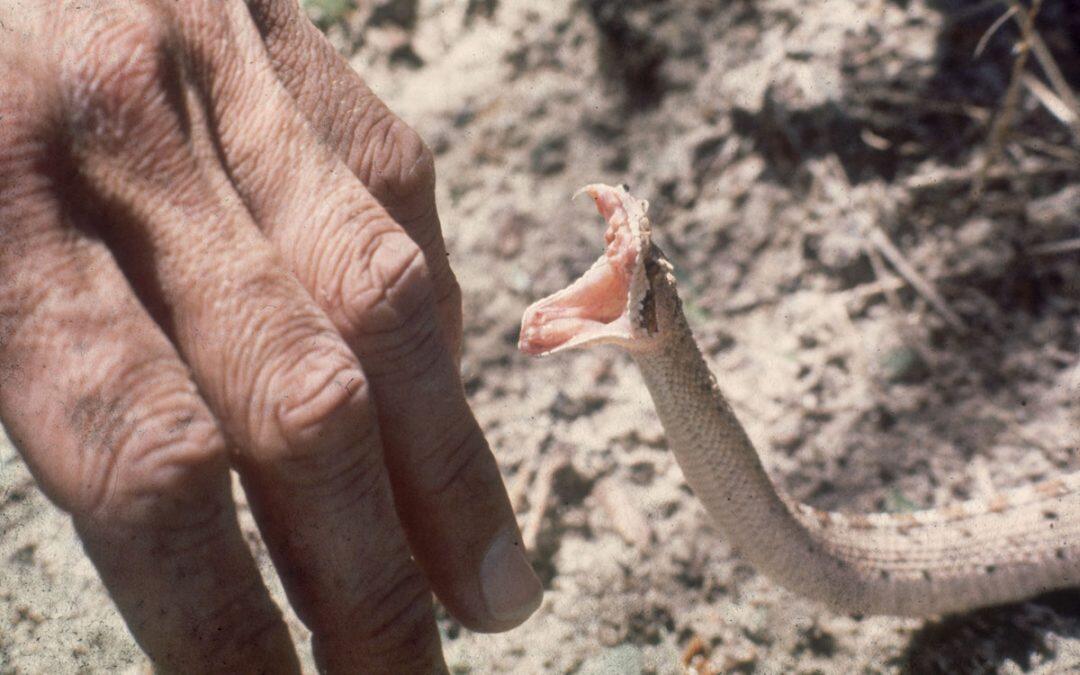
column 777, row 141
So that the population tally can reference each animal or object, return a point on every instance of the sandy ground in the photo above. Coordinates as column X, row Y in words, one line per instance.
column 777, row 141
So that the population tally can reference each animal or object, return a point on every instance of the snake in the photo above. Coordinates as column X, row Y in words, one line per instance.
column 950, row 559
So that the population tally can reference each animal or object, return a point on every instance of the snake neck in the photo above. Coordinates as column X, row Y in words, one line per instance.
column 724, row 471
column 966, row 555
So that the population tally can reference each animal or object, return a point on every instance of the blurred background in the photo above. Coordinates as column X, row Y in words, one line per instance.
column 874, row 210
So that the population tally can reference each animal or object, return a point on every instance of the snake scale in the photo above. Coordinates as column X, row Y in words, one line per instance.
column 962, row 556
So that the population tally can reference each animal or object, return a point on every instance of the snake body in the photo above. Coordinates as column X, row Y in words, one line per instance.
column 955, row 558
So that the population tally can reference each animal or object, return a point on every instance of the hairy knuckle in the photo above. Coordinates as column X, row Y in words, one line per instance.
column 27, row 208
column 151, row 482
column 322, row 400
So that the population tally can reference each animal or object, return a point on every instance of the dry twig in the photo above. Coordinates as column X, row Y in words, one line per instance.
column 1062, row 152
column 520, row 486
column 879, row 286
column 998, row 23
column 1003, row 121
column 882, row 276
column 625, row 518
column 912, row 276
column 937, row 179
column 1051, row 102
column 1035, row 43
column 540, row 496
column 1057, row 247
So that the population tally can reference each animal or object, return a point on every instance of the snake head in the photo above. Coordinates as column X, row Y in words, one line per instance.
column 611, row 303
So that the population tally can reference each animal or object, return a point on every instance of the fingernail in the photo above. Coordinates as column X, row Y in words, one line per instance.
column 511, row 589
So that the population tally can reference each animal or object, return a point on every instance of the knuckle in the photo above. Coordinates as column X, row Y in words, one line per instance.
column 317, row 398
column 416, row 171
column 386, row 283
column 399, row 164
column 150, row 453
column 387, row 300
column 153, row 480
column 117, row 81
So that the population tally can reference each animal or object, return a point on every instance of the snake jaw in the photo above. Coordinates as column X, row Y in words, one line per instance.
column 606, row 304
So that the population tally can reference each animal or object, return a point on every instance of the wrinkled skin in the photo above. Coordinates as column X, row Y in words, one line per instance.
column 218, row 249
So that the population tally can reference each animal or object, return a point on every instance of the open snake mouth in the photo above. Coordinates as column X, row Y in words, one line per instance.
column 606, row 304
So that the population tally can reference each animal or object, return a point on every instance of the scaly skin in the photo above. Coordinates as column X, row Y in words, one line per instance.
column 955, row 558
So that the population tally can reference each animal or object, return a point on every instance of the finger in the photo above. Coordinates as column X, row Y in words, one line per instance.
column 373, row 282
column 384, row 152
column 288, row 391
column 109, row 422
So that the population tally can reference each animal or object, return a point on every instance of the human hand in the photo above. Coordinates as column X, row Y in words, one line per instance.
column 218, row 248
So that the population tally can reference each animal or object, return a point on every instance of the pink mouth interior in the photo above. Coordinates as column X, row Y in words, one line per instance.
column 593, row 308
